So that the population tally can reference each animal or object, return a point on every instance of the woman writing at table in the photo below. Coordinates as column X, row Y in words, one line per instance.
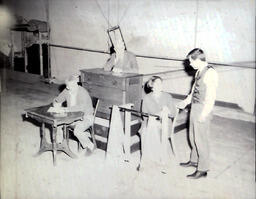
column 159, row 103
column 77, row 99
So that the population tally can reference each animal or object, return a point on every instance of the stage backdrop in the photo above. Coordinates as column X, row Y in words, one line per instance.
column 224, row 29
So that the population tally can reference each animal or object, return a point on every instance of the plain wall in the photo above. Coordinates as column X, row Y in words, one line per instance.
column 224, row 29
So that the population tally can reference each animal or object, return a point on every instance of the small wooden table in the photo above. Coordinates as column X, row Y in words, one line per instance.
column 54, row 120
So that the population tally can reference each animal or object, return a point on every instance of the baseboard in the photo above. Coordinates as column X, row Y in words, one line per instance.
column 20, row 76
column 217, row 102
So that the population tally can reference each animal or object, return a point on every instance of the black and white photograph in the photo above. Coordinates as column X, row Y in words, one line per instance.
column 121, row 99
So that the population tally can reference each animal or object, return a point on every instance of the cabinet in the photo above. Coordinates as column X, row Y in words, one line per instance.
column 30, row 48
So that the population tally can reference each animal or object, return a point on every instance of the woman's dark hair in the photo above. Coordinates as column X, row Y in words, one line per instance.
column 151, row 81
column 111, row 50
column 197, row 53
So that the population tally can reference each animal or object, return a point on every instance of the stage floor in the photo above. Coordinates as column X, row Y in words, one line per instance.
column 232, row 173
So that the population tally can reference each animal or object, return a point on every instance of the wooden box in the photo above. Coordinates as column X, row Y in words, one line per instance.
column 112, row 89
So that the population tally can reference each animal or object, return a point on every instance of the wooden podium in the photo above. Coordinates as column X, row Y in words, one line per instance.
column 113, row 89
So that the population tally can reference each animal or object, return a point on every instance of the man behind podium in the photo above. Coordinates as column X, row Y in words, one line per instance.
column 121, row 61
column 78, row 99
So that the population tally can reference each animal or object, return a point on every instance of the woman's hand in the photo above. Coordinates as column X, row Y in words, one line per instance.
column 117, row 70
column 165, row 111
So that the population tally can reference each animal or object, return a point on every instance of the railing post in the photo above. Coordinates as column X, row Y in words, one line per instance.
column 127, row 136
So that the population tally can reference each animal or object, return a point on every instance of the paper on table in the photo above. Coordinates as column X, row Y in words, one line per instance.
column 56, row 110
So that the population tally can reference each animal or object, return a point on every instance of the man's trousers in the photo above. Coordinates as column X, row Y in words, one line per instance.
column 198, row 136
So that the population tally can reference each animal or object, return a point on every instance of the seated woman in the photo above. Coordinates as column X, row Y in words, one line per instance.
column 121, row 61
column 78, row 99
column 158, row 103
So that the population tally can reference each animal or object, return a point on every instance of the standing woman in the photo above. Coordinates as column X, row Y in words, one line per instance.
column 159, row 103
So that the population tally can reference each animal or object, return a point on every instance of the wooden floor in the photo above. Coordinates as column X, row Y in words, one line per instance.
column 232, row 173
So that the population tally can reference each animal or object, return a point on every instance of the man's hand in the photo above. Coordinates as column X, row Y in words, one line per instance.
column 56, row 104
column 65, row 109
column 58, row 109
column 181, row 105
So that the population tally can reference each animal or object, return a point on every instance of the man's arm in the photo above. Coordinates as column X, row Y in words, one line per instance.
column 109, row 64
column 61, row 97
column 131, row 63
column 211, row 81
column 134, row 64
column 187, row 100
column 84, row 102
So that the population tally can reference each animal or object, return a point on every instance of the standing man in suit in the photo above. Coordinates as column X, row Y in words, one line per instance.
column 202, row 99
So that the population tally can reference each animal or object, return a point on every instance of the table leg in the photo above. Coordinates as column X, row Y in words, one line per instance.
column 67, row 135
column 44, row 145
column 64, row 146
column 127, row 136
column 43, row 140
column 64, row 129
column 54, row 144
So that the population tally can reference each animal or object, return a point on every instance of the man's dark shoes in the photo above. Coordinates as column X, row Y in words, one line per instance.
column 197, row 174
column 188, row 164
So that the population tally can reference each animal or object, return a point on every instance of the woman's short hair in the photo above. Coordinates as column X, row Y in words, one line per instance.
column 197, row 53
column 151, row 81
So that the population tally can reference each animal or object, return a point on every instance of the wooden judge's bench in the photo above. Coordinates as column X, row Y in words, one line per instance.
column 112, row 89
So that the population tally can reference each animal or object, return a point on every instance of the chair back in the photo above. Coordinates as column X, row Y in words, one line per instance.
column 95, row 110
